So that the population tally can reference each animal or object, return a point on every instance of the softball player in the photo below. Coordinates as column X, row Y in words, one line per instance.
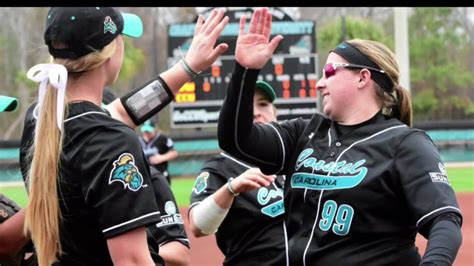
column 167, row 238
column 360, row 181
column 243, row 207
column 158, row 148
column 90, row 192
column 12, row 239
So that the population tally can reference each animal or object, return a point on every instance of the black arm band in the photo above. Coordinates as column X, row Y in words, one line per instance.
column 147, row 100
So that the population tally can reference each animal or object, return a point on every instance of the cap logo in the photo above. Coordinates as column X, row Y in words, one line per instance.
column 342, row 46
column 109, row 25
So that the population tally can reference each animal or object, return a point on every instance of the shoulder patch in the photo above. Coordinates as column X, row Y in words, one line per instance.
column 201, row 182
column 442, row 176
column 170, row 207
column 126, row 172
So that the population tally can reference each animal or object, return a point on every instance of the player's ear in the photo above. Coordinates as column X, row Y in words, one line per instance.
column 364, row 77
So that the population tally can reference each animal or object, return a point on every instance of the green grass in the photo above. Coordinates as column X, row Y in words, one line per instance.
column 462, row 180
column 17, row 194
column 182, row 188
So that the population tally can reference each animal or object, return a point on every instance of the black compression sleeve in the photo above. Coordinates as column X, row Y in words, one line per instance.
column 444, row 240
column 236, row 133
column 236, row 115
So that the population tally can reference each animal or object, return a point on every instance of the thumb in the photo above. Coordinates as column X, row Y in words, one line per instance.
column 274, row 43
column 218, row 51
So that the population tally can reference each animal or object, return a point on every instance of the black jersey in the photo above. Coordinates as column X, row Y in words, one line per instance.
column 252, row 232
column 104, row 185
column 160, row 144
column 171, row 227
column 352, row 197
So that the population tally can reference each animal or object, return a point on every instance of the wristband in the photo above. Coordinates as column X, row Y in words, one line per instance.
column 188, row 69
column 208, row 216
column 229, row 187
column 147, row 100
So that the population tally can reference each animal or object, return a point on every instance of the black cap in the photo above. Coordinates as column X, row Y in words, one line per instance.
column 87, row 29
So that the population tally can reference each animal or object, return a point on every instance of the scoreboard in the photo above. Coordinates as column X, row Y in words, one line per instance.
column 292, row 72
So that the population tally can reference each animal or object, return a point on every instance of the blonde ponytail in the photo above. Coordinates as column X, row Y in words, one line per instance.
column 43, row 213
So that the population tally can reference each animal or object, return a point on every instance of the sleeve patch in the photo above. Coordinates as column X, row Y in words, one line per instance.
column 441, row 176
column 169, row 143
column 126, row 172
column 201, row 183
column 170, row 207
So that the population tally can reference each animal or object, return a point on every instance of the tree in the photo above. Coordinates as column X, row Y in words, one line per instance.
column 440, row 75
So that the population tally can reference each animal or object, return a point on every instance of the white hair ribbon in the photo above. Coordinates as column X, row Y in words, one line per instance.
column 57, row 76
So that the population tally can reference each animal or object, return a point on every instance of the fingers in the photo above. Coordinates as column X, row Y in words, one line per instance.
column 218, row 51
column 274, row 43
column 259, row 22
column 242, row 25
column 254, row 21
column 216, row 32
column 213, row 20
column 267, row 27
column 207, row 21
column 255, row 175
column 199, row 22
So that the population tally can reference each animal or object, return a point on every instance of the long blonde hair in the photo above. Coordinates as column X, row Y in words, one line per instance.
column 43, row 214
column 397, row 103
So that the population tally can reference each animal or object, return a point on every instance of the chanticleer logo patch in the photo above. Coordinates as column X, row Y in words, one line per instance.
column 201, row 182
column 109, row 25
column 126, row 172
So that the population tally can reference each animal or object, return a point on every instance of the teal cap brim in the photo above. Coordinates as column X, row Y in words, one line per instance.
column 147, row 128
column 132, row 25
column 8, row 104
column 267, row 88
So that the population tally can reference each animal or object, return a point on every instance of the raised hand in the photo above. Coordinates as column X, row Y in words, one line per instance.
column 254, row 48
column 251, row 179
column 201, row 53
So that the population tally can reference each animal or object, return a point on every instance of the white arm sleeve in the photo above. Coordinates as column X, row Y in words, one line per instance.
column 208, row 216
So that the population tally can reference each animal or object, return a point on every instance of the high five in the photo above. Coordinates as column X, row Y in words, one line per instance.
column 361, row 182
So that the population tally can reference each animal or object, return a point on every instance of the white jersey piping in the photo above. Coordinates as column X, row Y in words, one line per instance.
column 130, row 221
column 437, row 210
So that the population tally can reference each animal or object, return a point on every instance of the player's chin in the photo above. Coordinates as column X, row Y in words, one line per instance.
column 327, row 109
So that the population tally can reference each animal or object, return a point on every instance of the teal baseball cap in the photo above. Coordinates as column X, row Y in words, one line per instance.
column 8, row 104
column 148, row 126
column 267, row 88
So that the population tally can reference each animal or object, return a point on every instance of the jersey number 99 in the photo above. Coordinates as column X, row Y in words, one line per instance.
column 339, row 218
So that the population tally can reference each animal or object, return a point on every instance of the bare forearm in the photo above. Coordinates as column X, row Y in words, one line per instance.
column 12, row 238
column 170, row 155
column 122, row 254
column 175, row 254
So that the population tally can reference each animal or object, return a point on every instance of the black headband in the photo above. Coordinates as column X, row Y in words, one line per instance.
column 354, row 56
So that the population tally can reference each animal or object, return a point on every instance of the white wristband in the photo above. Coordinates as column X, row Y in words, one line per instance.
column 208, row 216
column 230, row 188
